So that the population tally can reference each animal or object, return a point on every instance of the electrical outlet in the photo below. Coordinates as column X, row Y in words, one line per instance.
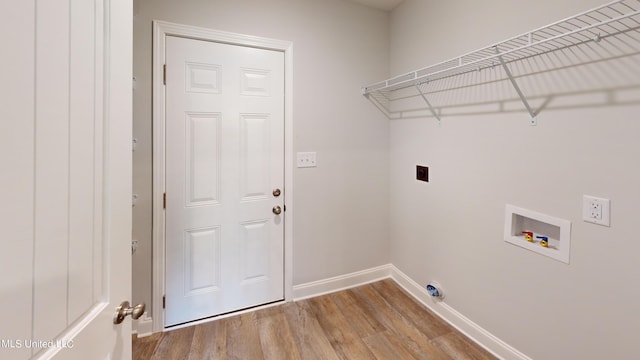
column 596, row 210
column 306, row 159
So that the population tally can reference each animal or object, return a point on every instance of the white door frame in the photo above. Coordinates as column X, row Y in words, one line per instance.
column 161, row 30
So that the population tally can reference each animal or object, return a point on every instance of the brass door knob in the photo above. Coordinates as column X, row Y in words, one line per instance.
column 277, row 210
column 276, row 192
column 124, row 309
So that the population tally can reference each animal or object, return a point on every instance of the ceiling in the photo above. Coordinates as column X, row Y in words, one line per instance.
column 386, row 5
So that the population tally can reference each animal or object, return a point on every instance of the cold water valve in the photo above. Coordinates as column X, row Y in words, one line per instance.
column 544, row 241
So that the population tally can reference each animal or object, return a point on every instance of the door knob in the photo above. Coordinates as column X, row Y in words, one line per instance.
column 276, row 192
column 277, row 210
column 124, row 309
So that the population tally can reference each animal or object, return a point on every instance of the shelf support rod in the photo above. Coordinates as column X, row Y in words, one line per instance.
column 424, row 97
column 533, row 121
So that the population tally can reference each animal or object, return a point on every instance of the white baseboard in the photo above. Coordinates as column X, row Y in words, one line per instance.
column 143, row 326
column 321, row 287
column 463, row 324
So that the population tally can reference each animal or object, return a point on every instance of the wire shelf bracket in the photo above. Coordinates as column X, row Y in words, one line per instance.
column 618, row 19
column 523, row 98
column 433, row 111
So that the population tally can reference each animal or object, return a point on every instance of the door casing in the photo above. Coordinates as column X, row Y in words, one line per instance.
column 161, row 30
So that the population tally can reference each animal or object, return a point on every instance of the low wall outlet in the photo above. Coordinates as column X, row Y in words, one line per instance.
column 306, row 159
column 596, row 210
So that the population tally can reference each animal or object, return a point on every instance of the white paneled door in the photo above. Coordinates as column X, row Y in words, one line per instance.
column 224, row 178
column 65, row 181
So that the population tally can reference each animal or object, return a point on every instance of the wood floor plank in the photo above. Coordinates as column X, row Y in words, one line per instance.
column 459, row 347
column 276, row 338
column 418, row 342
column 210, row 341
column 174, row 344
column 362, row 320
column 145, row 346
column 387, row 345
column 243, row 338
column 343, row 338
column 310, row 337
column 423, row 319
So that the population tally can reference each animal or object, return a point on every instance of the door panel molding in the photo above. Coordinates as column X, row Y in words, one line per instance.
column 245, row 158
column 161, row 30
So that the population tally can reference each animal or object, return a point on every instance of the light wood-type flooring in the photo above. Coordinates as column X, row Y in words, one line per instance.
column 374, row 321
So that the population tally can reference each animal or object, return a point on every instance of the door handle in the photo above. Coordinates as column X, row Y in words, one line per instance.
column 125, row 309
column 277, row 210
column 276, row 192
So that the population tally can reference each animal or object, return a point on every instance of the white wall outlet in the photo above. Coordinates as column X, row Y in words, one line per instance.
column 306, row 159
column 596, row 210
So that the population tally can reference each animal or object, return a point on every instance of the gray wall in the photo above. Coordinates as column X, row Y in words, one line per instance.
column 341, row 207
column 451, row 229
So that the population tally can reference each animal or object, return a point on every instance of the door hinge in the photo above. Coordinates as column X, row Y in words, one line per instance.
column 164, row 301
column 164, row 200
column 164, row 74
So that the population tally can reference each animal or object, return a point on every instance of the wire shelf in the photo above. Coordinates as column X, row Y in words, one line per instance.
column 614, row 26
